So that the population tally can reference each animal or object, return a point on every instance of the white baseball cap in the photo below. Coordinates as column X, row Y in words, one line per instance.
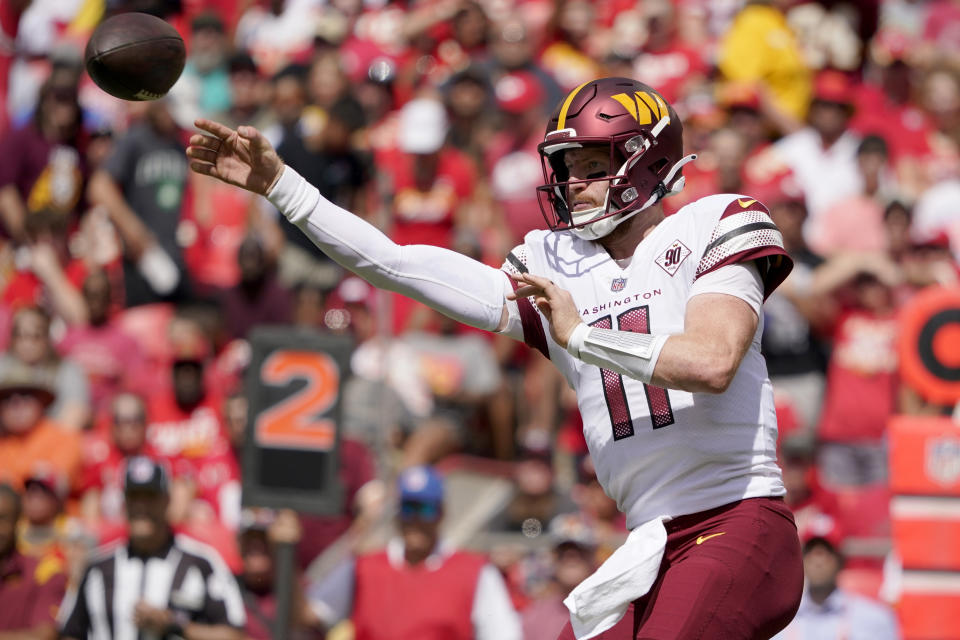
column 423, row 126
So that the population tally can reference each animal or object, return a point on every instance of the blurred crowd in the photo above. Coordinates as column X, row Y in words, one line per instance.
column 130, row 285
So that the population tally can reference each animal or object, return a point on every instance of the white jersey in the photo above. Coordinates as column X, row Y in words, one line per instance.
column 665, row 452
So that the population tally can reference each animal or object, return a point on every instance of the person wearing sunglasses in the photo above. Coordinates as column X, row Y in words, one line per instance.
column 418, row 586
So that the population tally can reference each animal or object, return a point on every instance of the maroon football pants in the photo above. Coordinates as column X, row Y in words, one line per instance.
column 730, row 572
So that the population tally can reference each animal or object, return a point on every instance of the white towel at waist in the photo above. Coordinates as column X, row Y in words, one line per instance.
column 600, row 601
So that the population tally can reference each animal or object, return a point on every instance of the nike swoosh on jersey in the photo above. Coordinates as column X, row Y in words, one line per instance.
column 745, row 204
column 703, row 539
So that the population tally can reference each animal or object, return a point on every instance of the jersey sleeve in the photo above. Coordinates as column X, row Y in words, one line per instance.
column 745, row 232
column 524, row 313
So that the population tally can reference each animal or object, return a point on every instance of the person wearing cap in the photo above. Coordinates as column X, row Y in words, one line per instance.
column 31, row 588
column 429, row 178
column 573, row 558
column 418, row 587
column 511, row 155
column 823, row 154
column 27, row 436
column 31, row 347
column 828, row 612
column 44, row 521
column 204, row 80
column 46, row 153
column 429, row 181
column 156, row 583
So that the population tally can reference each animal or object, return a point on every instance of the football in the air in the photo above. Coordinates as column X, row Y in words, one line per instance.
column 135, row 56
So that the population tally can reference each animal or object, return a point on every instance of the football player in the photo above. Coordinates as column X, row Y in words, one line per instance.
column 654, row 321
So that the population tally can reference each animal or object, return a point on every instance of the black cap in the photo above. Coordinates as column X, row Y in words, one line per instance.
column 208, row 21
column 145, row 474
column 241, row 62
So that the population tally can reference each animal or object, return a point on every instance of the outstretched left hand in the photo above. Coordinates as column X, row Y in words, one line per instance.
column 555, row 304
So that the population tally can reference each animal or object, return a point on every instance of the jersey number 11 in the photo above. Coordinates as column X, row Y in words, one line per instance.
column 658, row 401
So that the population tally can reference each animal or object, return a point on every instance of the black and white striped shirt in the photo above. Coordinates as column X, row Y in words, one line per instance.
column 188, row 577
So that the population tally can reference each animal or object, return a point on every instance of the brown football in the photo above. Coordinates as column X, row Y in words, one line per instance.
column 135, row 56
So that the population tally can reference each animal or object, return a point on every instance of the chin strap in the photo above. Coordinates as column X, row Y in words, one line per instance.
column 600, row 228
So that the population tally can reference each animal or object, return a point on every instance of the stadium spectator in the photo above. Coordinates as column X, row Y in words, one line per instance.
column 43, row 530
column 278, row 34
column 141, row 186
column 855, row 223
column 513, row 45
column 571, row 41
column 43, row 166
column 27, row 437
column 806, row 498
column 418, row 586
column 760, row 48
column 828, row 612
column 468, row 98
column 823, row 155
column 573, row 558
column 30, row 588
column 295, row 134
column 204, row 84
column 105, row 457
column 259, row 534
column 249, row 91
column 103, row 349
column 795, row 317
column 201, row 600
column 863, row 364
column 511, row 158
column 259, row 298
column 48, row 276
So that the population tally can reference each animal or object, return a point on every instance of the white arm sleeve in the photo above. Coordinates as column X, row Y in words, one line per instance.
column 453, row 284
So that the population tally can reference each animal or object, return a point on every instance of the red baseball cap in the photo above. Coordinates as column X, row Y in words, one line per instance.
column 822, row 528
column 833, row 86
column 518, row 92
column 50, row 479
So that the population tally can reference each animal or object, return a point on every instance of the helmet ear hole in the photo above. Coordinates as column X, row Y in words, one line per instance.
column 658, row 166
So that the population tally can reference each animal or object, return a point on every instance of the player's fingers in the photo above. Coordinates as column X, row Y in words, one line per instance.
column 218, row 130
column 204, row 168
column 257, row 141
column 200, row 140
column 527, row 290
column 200, row 153
column 539, row 281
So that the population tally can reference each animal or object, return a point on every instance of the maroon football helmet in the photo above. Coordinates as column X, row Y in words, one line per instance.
column 645, row 141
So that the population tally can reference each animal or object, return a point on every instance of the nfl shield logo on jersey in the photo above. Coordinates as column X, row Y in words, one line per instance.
column 618, row 284
column 673, row 256
column 943, row 460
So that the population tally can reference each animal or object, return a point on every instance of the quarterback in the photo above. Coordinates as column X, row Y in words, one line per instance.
column 654, row 321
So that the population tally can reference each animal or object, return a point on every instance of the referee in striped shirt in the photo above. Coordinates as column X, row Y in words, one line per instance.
column 158, row 586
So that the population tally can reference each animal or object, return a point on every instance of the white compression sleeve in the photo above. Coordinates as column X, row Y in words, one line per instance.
column 629, row 354
column 464, row 289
